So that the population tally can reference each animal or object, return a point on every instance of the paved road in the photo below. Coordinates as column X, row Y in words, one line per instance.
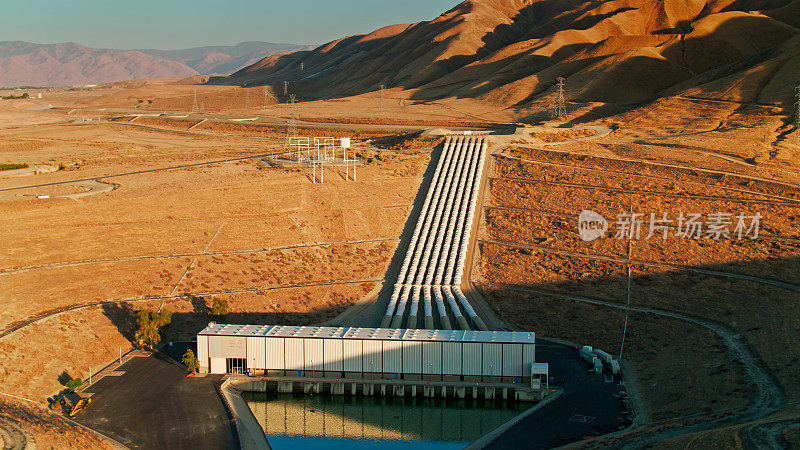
column 586, row 408
column 153, row 405
column 770, row 396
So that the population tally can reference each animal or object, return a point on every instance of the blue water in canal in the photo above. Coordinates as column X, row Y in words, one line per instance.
column 297, row 421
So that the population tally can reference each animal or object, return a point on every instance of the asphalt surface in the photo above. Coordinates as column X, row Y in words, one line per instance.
column 586, row 408
column 153, row 405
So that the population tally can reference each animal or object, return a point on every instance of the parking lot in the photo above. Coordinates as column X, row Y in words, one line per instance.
column 586, row 408
column 153, row 405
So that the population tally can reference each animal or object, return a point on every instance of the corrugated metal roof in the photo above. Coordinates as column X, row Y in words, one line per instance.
column 500, row 337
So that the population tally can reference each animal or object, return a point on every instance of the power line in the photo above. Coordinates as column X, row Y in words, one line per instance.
column 797, row 107
column 628, row 304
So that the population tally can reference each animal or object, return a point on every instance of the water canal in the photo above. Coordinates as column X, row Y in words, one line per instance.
column 301, row 421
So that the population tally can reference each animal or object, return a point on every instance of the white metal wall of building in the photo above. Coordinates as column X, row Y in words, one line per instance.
column 368, row 350
column 256, row 353
column 202, row 350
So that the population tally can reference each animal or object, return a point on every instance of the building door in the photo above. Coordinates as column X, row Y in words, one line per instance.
column 236, row 365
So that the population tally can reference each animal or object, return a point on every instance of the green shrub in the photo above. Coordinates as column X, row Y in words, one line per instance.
column 13, row 166
column 190, row 361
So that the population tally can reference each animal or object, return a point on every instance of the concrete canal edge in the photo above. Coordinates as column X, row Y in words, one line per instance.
column 251, row 435
column 487, row 439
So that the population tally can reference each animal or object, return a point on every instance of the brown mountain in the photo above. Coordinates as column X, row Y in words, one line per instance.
column 510, row 52
column 224, row 59
column 26, row 64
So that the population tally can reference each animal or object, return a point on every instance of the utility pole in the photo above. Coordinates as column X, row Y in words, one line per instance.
column 382, row 88
column 302, row 67
column 285, row 88
column 194, row 105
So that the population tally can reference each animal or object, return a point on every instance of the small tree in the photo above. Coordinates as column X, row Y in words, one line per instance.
column 150, row 324
column 190, row 361
column 219, row 308
column 73, row 383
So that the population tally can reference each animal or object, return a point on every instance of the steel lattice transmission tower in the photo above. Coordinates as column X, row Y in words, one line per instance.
column 797, row 107
column 292, row 131
column 382, row 88
column 194, row 105
column 560, row 107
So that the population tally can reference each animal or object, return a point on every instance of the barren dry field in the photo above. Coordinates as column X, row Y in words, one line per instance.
column 531, row 248
column 277, row 246
column 47, row 430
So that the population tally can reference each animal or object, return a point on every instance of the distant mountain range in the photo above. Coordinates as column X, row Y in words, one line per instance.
column 68, row 64
column 224, row 59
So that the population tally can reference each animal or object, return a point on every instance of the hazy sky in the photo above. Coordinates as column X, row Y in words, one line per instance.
column 172, row 24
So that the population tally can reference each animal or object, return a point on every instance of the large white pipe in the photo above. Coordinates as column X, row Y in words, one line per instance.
column 414, row 275
column 401, row 279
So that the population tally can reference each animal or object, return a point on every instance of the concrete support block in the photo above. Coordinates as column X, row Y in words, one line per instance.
column 386, row 321
column 461, row 392
column 317, row 388
column 412, row 322
column 462, row 323
column 337, row 388
column 353, row 388
column 480, row 324
column 307, row 387
column 444, row 392
column 414, row 391
column 383, row 390
column 399, row 391
column 446, row 323
column 285, row 387
column 505, row 393
column 474, row 392
column 396, row 322
column 429, row 322
column 428, row 391
column 489, row 393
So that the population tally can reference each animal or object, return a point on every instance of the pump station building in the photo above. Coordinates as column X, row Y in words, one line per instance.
column 371, row 353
